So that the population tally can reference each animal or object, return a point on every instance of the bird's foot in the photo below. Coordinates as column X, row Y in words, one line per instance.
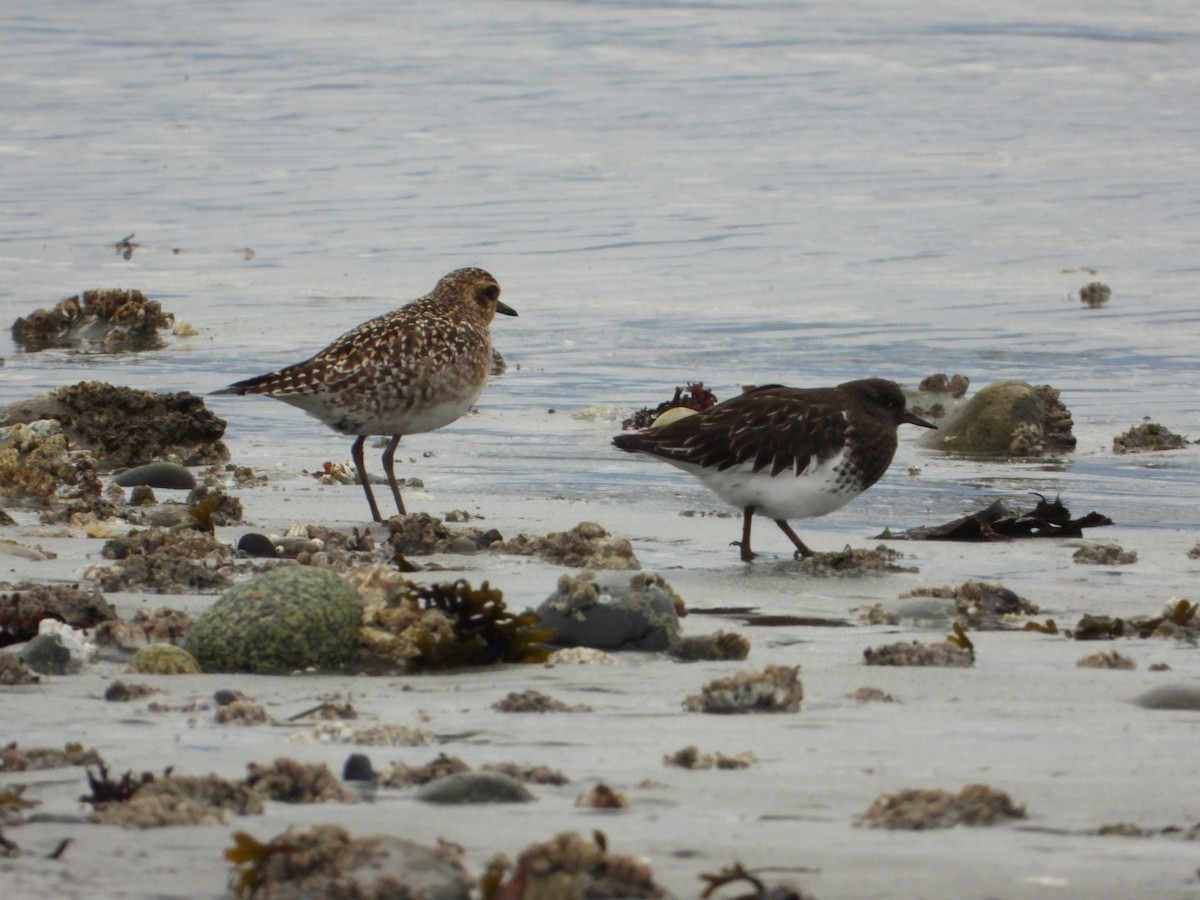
column 747, row 553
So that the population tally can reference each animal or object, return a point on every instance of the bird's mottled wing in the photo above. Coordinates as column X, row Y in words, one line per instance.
column 771, row 428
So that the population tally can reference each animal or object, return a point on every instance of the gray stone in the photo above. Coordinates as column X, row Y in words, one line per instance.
column 475, row 787
column 611, row 611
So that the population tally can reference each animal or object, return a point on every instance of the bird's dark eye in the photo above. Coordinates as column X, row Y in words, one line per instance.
column 488, row 294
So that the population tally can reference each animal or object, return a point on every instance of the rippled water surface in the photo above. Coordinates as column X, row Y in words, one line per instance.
column 726, row 192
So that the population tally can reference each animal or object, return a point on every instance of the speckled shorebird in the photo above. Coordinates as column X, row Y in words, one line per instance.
column 785, row 453
column 408, row 371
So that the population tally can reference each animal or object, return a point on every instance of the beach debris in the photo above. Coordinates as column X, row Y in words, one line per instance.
column 333, row 709
column 125, row 691
column 242, row 712
column 582, row 656
column 917, row 653
column 978, row 605
column 1149, row 437
column 165, row 475
column 1106, row 659
column 211, row 508
column 289, row 781
column 40, row 467
column 774, row 689
column 402, row 775
column 377, row 734
column 1094, row 294
column 534, row 701
column 720, row 645
column 938, row 395
column 14, row 671
column 922, row 808
column 528, row 774
column 1177, row 620
column 601, row 796
column 162, row 624
column 292, row 617
column 170, row 800
column 165, row 561
column 867, row 694
column 690, row 757
column 423, row 534
column 474, row 787
column 586, row 546
column 123, row 426
column 1011, row 419
column 452, row 624
column 327, row 861
column 1170, row 696
column 570, row 865
column 611, row 612
column 850, row 562
column 999, row 521
column 14, row 758
column 1104, row 555
column 759, row 889
column 164, row 659
column 114, row 320
column 695, row 397
column 24, row 606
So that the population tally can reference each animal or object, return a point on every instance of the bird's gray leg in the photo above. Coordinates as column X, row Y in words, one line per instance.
column 747, row 553
column 389, row 467
column 801, row 549
column 356, row 453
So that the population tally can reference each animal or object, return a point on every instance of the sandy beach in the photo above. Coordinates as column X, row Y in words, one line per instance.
column 1067, row 742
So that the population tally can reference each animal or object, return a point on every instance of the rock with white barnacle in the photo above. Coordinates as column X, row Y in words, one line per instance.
column 610, row 611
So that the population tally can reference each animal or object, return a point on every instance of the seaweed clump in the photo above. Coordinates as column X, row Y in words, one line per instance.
column 1179, row 620
column 587, row 545
column 695, row 397
column 453, row 624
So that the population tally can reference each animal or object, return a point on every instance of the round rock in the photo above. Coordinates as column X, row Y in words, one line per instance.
column 171, row 476
column 610, row 611
column 475, row 787
column 290, row 618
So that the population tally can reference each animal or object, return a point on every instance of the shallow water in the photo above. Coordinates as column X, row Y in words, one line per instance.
column 729, row 192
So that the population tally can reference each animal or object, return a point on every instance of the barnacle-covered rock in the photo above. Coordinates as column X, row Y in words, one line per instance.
column 289, row 781
column 124, row 426
column 920, row 808
column 23, row 607
column 774, row 689
column 976, row 604
column 571, row 865
column 586, row 546
column 293, row 617
column 916, row 653
column 1007, row 418
column 325, row 861
column 177, row 800
column 1104, row 555
column 110, row 319
column 24, row 759
column 14, row 671
column 40, row 467
column 612, row 612
column 1148, row 437
column 166, row 561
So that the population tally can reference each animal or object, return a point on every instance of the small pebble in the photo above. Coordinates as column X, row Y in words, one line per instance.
column 254, row 544
column 225, row 696
column 358, row 768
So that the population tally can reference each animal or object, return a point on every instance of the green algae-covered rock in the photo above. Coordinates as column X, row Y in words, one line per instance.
column 164, row 659
column 1008, row 418
column 290, row 618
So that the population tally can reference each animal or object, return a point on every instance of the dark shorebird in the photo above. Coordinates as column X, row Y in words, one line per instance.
column 785, row 453
column 408, row 371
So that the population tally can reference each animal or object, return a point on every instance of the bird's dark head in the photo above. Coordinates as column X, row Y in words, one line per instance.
column 885, row 395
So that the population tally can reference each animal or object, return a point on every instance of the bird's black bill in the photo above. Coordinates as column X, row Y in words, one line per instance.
column 913, row 419
column 505, row 309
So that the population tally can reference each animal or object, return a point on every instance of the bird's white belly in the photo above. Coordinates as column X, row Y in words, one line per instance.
column 821, row 489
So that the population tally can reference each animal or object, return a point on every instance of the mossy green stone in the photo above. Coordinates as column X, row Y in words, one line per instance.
column 985, row 425
column 290, row 618
column 164, row 659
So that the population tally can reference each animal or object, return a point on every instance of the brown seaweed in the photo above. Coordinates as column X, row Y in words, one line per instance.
column 695, row 396
column 1050, row 518
column 484, row 631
